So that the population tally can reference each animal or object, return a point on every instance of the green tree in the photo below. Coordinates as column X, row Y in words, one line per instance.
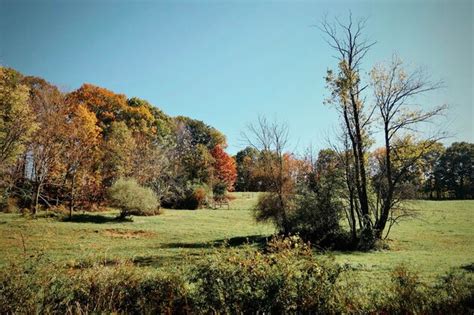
column 201, row 133
column 430, row 165
column 456, row 169
column 246, row 161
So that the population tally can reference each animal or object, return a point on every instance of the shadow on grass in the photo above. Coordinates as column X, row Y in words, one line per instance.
column 94, row 218
column 157, row 261
column 468, row 267
column 254, row 240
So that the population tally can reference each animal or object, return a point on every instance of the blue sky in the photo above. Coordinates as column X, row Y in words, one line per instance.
column 225, row 62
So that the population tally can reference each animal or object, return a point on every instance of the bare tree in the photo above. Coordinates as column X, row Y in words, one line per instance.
column 271, row 138
column 394, row 91
column 346, row 94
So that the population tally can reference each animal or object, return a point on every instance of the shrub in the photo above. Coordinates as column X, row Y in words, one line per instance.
column 408, row 294
column 11, row 205
column 219, row 191
column 132, row 199
column 120, row 288
column 455, row 293
column 284, row 278
column 195, row 197
column 269, row 208
column 316, row 218
column 199, row 197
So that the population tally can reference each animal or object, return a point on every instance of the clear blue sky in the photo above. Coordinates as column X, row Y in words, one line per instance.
column 224, row 62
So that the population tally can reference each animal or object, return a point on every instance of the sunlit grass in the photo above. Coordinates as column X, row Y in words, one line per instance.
column 438, row 239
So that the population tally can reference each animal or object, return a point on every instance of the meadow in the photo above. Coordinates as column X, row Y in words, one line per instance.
column 438, row 239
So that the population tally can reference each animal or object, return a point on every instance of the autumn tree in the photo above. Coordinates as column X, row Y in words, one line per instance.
column 151, row 163
column 225, row 171
column 16, row 117
column 106, row 105
column 17, row 124
column 407, row 167
column 118, row 150
column 69, row 148
column 81, row 141
column 43, row 155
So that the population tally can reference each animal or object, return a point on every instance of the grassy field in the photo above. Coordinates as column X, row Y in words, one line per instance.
column 440, row 238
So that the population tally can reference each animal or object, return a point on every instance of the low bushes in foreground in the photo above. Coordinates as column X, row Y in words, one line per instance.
column 121, row 288
column 284, row 277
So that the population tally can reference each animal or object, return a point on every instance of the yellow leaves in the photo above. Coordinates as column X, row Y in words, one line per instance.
column 110, row 107
column 16, row 116
column 85, row 123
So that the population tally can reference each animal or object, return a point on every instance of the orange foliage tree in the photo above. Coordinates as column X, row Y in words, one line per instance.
column 225, row 170
column 81, row 140
column 110, row 107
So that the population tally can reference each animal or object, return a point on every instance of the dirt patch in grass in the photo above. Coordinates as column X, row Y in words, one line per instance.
column 124, row 233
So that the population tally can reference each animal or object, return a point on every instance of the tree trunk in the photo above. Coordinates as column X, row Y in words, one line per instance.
column 35, row 203
column 364, row 200
column 71, row 202
column 387, row 201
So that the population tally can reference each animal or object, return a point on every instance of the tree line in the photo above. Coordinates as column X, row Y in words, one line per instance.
column 67, row 149
column 441, row 173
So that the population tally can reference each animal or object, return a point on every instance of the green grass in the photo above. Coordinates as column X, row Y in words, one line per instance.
column 148, row 241
column 440, row 238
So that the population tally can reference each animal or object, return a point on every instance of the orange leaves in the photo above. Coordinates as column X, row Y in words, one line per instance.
column 109, row 107
column 104, row 103
column 224, row 167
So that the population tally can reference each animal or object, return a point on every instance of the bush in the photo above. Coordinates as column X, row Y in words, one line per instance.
column 408, row 293
column 199, row 197
column 133, row 199
column 219, row 191
column 11, row 205
column 316, row 218
column 269, row 208
column 453, row 294
column 195, row 197
column 121, row 288
column 287, row 277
